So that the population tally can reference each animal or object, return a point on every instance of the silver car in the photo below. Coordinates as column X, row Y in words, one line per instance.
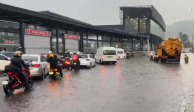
column 39, row 66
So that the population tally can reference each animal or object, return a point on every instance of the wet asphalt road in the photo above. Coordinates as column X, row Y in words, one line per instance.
column 132, row 85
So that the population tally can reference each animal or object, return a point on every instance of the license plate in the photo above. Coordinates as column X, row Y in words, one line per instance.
column 50, row 73
column 5, row 82
column 109, row 56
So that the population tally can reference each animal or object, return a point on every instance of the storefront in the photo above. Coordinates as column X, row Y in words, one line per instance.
column 127, row 44
column 90, row 43
column 36, row 41
column 9, row 40
column 116, row 42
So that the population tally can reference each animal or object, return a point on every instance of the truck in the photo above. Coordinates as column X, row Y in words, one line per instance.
column 168, row 50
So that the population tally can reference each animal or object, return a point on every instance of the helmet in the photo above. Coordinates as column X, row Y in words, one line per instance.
column 17, row 54
column 50, row 52
column 74, row 52
column 51, row 55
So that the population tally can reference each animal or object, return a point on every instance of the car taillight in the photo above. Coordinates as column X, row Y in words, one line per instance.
column 88, row 59
column 55, row 69
column 102, row 56
column 9, row 73
column 36, row 65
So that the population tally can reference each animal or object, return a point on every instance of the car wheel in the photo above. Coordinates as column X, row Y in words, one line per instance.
column 90, row 66
column 42, row 75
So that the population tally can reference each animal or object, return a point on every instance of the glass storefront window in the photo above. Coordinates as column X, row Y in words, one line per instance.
column 131, row 25
column 156, row 29
column 99, row 37
column 106, row 38
column 103, row 44
column 92, row 36
column 143, row 25
column 127, row 46
column 145, row 45
column 9, row 24
column 116, row 44
column 90, row 46
column 84, row 35
column 10, row 41
column 70, row 32
column 136, row 45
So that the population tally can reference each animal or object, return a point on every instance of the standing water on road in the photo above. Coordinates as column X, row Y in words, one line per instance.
column 132, row 85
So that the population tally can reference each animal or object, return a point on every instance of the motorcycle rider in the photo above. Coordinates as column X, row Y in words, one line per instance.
column 17, row 65
column 53, row 60
column 20, row 49
column 75, row 57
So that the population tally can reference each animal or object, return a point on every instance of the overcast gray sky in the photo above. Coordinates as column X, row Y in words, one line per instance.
column 104, row 12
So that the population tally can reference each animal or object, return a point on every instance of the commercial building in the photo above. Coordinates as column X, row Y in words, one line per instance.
column 39, row 32
column 144, row 21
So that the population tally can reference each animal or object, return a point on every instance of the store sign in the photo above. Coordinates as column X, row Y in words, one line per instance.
column 8, row 42
column 69, row 36
column 36, row 32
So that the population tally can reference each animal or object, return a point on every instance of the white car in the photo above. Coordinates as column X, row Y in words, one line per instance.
column 120, row 53
column 4, row 60
column 106, row 55
column 39, row 66
column 87, row 60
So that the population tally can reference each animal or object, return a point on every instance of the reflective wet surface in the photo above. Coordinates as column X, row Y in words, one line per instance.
column 132, row 85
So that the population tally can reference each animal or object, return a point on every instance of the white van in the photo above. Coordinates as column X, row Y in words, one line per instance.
column 120, row 53
column 106, row 55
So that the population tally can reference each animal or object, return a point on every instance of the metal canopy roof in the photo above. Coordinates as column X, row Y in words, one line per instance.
column 12, row 13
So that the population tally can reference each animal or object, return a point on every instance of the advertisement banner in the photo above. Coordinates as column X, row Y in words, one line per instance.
column 69, row 36
column 36, row 32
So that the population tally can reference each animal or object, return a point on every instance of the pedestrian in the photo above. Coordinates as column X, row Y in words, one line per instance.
column 4, row 49
column 20, row 49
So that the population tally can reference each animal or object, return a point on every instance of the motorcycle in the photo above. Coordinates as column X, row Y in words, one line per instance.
column 74, row 66
column 14, row 82
column 66, row 63
column 128, row 55
column 54, row 73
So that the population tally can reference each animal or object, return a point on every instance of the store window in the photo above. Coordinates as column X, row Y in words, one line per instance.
column 127, row 45
column 131, row 25
column 156, row 29
column 143, row 25
column 136, row 45
column 10, row 41
column 92, row 36
column 9, row 24
column 106, row 38
column 90, row 46
column 99, row 37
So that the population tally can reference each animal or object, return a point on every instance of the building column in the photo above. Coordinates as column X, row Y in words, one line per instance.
column 97, row 41
column 81, row 41
column 57, row 40
column 132, row 44
column 22, row 35
column 140, row 44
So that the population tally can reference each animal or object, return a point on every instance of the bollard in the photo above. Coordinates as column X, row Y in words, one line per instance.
column 186, row 59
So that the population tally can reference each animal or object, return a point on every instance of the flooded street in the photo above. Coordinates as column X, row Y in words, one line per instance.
column 132, row 85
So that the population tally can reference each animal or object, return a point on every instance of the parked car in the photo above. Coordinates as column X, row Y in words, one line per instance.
column 39, row 66
column 4, row 60
column 120, row 53
column 8, row 54
column 106, row 55
column 87, row 60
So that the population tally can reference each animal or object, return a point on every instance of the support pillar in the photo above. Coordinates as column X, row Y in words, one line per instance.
column 22, row 35
column 57, row 40
column 132, row 44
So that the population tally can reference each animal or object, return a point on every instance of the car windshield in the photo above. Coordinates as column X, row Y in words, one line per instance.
column 30, row 58
column 109, row 52
column 83, row 56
